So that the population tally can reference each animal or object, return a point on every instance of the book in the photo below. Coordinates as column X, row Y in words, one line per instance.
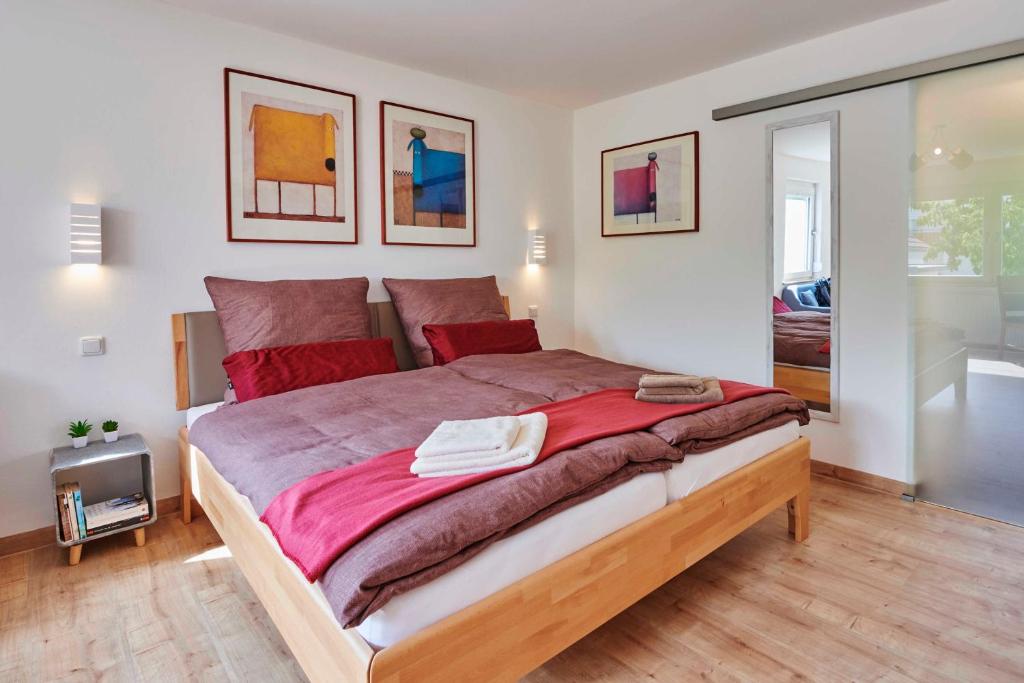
column 76, row 491
column 131, row 521
column 62, row 513
column 115, row 510
column 69, row 509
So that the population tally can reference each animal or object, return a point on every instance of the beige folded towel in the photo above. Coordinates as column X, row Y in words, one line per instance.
column 712, row 394
column 660, row 380
column 673, row 391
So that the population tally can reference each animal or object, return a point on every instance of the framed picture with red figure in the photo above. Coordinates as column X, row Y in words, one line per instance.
column 651, row 187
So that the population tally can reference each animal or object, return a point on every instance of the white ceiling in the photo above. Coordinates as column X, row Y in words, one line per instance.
column 566, row 52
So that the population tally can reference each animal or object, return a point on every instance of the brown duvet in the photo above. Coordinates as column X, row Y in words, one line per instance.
column 799, row 335
column 264, row 446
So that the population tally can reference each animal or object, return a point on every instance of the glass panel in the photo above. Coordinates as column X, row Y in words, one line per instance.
column 947, row 237
column 966, row 261
column 1013, row 235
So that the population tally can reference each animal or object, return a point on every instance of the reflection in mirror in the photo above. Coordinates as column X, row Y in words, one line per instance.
column 803, row 229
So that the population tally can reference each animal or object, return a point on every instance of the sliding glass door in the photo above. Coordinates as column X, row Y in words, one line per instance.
column 965, row 262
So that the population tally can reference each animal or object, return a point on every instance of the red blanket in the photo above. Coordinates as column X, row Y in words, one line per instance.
column 321, row 517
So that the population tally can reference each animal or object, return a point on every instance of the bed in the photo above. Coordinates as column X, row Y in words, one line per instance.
column 940, row 360
column 800, row 365
column 490, row 618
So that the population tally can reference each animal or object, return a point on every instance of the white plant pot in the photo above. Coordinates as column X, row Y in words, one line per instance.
column 110, row 437
column 79, row 441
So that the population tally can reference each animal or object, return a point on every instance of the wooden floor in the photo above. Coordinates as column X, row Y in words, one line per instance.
column 882, row 590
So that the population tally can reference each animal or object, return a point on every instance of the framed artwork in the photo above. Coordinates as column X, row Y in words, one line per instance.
column 427, row 177
column 291, row 161
column 651, row 187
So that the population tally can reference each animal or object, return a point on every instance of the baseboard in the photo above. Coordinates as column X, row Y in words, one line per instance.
column 39, row 538
column 865, row 479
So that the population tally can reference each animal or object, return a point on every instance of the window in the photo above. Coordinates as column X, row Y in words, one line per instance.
column 947, row 237
column 974, row 238
column 1012, row 248
column 800, row 244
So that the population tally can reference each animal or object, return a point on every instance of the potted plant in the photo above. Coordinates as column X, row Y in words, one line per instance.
column 110, row 431
column 79, row 433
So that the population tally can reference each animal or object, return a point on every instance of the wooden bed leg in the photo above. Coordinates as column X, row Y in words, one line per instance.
column 799, row 508
column 185, row 471
column 74, row 555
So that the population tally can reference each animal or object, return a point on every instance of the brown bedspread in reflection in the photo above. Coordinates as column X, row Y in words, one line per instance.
column 799, row 335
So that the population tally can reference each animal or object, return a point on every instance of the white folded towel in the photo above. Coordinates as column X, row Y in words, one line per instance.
column 494, row 435
column 527, row 446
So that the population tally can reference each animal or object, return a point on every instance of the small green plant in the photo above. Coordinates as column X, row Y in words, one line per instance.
column 110, row 426
column 78, row 429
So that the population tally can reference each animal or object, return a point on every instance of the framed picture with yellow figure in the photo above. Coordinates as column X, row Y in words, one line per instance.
column 291, row 169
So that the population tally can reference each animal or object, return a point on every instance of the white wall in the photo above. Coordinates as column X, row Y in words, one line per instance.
column 121, row 103
column 698, row 302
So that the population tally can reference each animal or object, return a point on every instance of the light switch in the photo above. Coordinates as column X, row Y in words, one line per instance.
column 531, row 311
column 91, row 346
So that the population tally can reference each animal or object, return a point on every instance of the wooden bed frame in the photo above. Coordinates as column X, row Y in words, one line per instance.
column 517, row 629
column 934, row 378
column 810, row 384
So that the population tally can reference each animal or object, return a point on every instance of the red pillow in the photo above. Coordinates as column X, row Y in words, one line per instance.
column 264, row 372
column 780, row 306
column 826, row 347
column 449, row 342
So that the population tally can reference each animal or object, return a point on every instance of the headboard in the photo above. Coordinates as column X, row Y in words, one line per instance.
column 199, row 377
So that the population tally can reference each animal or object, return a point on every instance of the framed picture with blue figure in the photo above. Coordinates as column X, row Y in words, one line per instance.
column 428, row 189
column 291, row 169
column 651, row 187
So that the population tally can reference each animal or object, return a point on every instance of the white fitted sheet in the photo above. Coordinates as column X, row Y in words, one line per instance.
column 196, row 412
column 513, row 558
column 697, row 470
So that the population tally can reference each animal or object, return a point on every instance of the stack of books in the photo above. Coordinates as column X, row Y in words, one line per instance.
column 72, row 514
column 78, row 522
column 116, row 514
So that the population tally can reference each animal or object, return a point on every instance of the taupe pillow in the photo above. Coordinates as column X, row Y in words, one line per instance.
column 441, row 302
column 259, row 315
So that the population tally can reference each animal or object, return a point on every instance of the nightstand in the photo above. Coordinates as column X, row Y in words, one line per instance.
column 133, row 451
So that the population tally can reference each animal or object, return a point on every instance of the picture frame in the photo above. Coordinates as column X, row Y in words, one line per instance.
column 290, row 161
column 651, row 187
column 427, row 177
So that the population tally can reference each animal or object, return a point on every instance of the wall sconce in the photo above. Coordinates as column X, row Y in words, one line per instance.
column 86, row 235
column 536, row 248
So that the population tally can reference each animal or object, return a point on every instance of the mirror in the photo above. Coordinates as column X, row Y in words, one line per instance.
column 803, row 260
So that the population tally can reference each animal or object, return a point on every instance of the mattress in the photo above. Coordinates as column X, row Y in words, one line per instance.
column 196, row 412
column 528, row 551
column 698, row 470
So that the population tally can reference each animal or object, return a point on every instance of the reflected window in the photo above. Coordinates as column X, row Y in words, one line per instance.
column 801, row 230
column 947, row 237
